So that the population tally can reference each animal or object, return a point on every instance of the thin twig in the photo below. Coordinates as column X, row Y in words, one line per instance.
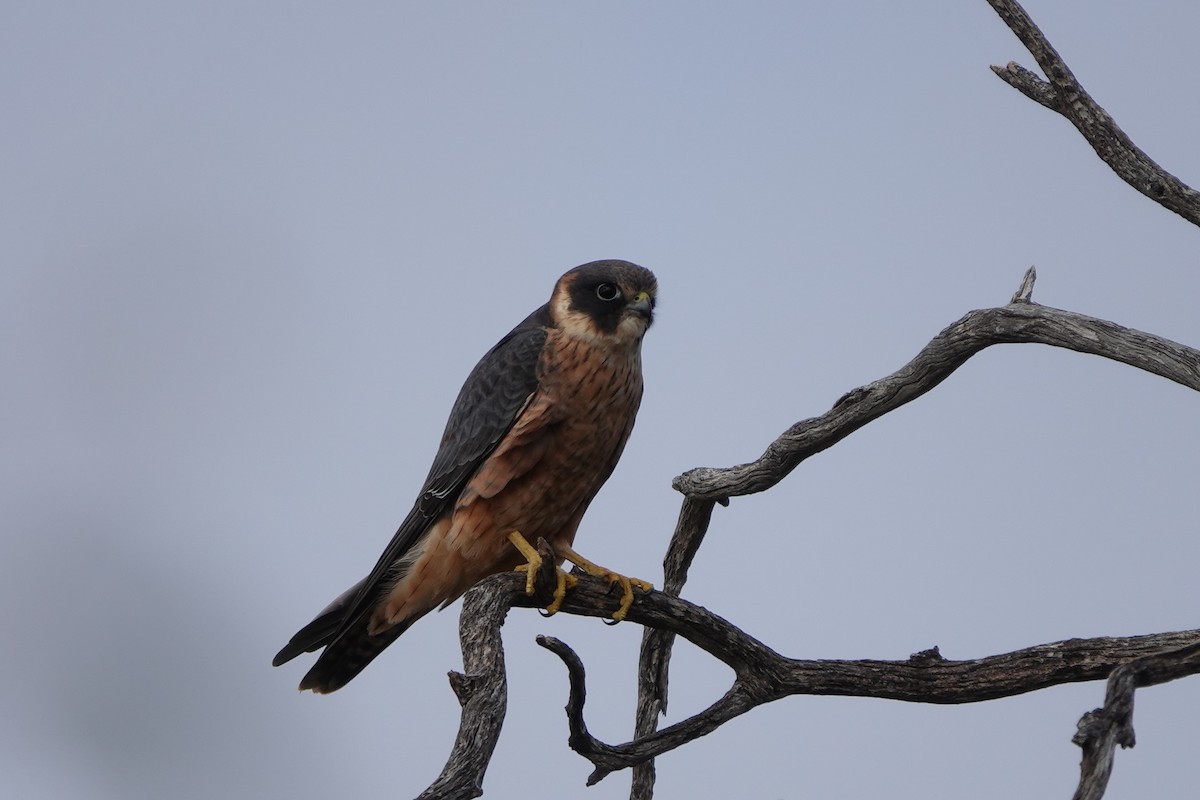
column 1024, row 293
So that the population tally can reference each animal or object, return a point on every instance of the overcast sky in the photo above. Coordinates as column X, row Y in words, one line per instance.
column 250, row 251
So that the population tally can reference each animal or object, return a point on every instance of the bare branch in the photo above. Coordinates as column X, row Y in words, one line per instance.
column 482, row 686
column 762, row 675
column 608, row 759
column 482, row 691
column 1064, row 94
column 655, row 656
column 1022, row 321
column 1100, row 731
column 1016, row 323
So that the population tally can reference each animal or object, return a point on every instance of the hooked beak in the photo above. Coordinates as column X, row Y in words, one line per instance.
column 643, row 306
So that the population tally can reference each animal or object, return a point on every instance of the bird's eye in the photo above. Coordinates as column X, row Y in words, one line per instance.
column 608, row 292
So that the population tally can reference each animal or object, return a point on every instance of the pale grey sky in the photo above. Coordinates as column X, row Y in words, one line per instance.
column 251, row 250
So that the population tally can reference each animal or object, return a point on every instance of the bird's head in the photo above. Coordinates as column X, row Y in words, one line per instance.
column 609, row 303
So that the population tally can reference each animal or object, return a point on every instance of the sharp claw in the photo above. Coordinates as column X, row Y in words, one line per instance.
column 564, row 583
column 627, row 585
column 626, row 597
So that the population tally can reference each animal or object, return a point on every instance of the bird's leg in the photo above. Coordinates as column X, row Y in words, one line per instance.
column 533, row 560
column 626, row 584
column 533, row 564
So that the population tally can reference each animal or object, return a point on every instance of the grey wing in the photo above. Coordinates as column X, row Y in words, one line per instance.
column 491, row 399
column 488, row 404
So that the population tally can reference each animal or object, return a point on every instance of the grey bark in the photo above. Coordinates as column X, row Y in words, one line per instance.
column 1062, row 92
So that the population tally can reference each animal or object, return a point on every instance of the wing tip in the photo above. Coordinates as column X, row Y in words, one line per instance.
column 285, row 655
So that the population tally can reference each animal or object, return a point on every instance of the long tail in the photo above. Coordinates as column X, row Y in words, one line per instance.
column 348, row 646
column 348, row 654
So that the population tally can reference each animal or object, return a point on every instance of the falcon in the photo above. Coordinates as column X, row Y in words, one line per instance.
column 535, row 432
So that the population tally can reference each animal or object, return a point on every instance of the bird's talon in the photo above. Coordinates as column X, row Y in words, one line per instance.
column 626, row 597
column 530, row 571
column 533, row 564
column 532, row 558
column 564, row 583
column 613, row 578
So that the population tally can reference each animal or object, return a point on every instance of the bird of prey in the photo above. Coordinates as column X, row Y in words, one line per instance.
column 536, row 430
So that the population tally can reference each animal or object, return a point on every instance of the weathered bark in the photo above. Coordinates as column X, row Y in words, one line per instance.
column 482, row 691
column 1063, row 93
column 1019, row 322
column 1100, row 731
column 763, row 676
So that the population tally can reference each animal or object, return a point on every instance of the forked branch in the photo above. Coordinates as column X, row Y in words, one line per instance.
column 762, row 675
column 1019, row 322
column 1063, row 93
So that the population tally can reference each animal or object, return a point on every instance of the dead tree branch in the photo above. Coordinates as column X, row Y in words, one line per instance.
column 482, row 691
column 1100, row 731
column 655, row 655
column 482, row 686
column 1062, row 92
column 1021, row 322
column 762, row 675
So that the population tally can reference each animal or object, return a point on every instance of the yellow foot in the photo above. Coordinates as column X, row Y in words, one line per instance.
column 625, row 583
column 563, row 581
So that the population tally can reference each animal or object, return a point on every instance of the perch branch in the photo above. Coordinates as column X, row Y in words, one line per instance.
column 1062, row 92
column 762, row 675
